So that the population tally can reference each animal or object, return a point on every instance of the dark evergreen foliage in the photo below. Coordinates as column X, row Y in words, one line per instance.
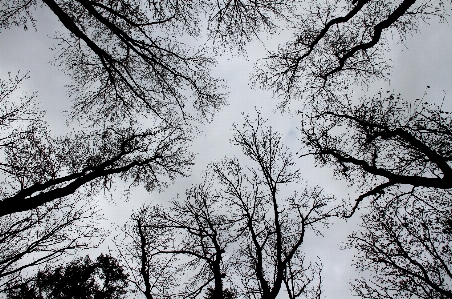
column 103, row 278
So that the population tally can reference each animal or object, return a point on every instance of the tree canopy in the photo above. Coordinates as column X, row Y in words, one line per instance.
column 242, row 227
column 143, row 81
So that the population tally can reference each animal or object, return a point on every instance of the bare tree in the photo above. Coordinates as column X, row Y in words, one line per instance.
column 42, row 174
column 337, row 43
column 126, row 57
column 382, row 142
column 271, row 222
column 187, row 241
column 271, row 233
column 45, row 234
column 41, row 168
column 241, row 225
column 46, row 179
column 404, row 247
column 138, row 249
column 202, row 222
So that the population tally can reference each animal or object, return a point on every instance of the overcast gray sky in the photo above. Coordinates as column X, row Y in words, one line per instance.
column 426, row 60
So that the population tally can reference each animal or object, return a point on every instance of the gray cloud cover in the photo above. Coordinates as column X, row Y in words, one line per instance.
column 426, row 60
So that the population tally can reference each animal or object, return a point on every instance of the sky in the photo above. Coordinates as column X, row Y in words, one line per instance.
column 425, row 59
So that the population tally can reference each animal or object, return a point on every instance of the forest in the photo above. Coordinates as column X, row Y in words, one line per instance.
column 225, row 149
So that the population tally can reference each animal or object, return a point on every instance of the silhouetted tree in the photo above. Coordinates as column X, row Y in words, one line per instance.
column 339, row 43
column 126, row 56
column 404, row 247
column 44, row 169
column 188, row 242
column 382, row 142
column 47, row 179
column 240, row 225
column 40, row 168
column 80, row 279
column 45, row 234
column 382, row 145
column 139, row 249
column 46, row 230
column 271, row 223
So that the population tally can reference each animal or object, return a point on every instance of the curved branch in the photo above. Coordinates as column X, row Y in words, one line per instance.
column 23, row 200
column 330, row 24
column 375, row 191
column 378, row 29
